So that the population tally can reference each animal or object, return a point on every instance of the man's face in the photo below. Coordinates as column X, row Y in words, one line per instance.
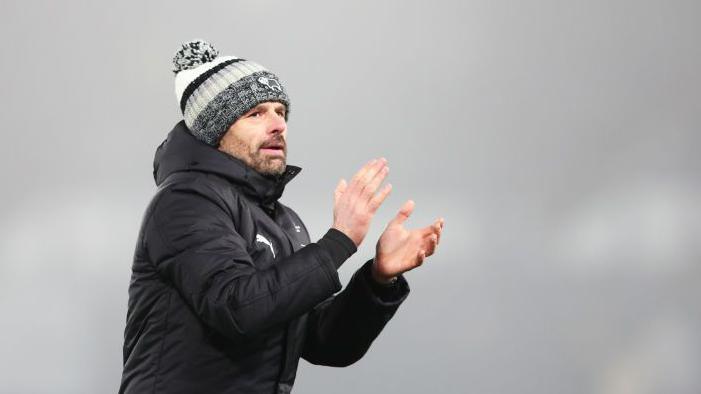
column 258, row 138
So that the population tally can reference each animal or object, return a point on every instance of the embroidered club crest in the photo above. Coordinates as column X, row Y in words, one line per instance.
column 271, row 84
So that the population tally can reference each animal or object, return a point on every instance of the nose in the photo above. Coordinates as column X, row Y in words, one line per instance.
column 277, row 124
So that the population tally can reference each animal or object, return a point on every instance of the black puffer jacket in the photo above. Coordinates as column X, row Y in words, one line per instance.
column 228, row 292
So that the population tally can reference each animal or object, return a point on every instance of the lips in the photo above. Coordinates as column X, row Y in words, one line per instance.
column 273, row 148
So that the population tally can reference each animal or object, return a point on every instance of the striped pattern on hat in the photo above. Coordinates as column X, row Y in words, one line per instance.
column 213, row 92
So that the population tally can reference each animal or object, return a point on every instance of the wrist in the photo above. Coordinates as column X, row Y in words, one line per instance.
column 379, row 278
column 346, row 231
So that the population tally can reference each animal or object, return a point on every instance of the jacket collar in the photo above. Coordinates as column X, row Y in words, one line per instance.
column 182, row 152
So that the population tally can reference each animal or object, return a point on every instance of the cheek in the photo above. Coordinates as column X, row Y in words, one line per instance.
column 245, row 138
column 232, row 143
column 240, row 141
column 253, row 145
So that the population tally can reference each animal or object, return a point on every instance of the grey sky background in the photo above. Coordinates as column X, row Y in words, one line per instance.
column 558, row 139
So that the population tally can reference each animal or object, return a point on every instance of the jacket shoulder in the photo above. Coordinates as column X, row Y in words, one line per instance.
column 193, row 189
column 210, row 186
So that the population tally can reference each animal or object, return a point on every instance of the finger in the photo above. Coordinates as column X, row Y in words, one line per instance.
column 404, row 213
column 380, row 197
column 429, row 240
column 439, row 229
column 420, row 257
column 428, row 230
column 366, row 182
column 375, row 182
column 357, row 178
column 432, row 242
column 340, row 189
column 374, row 169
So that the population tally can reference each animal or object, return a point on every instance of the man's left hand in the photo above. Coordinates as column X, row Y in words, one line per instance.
column 399, row 250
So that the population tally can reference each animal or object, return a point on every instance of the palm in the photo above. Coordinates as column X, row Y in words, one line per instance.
column 399, row 249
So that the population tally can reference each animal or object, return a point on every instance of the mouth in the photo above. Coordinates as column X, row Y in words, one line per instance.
column 274, row 149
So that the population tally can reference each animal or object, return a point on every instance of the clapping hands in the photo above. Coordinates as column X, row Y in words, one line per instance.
column 399, row 249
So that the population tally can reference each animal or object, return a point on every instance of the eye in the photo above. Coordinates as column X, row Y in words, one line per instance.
column 254, row 114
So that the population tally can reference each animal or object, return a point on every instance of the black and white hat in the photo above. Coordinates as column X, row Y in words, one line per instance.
column 214, row 91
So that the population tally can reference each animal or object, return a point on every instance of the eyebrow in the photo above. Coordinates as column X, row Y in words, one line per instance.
column 276, row 107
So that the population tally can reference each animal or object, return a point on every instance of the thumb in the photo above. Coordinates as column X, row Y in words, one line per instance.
column 340, row 189
column 404, row 212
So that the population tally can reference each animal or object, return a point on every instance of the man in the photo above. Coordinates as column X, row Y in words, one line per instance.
column 227, row 289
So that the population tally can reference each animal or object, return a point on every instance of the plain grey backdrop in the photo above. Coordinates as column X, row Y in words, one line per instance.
column 559, row 139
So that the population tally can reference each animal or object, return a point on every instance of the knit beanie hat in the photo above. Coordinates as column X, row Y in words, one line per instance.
column 214, row 91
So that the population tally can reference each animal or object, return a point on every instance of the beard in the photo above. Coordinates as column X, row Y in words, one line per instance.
column 268, row 165
column 253, row 156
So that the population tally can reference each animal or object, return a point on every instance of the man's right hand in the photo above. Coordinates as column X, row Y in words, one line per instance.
column 356, row 203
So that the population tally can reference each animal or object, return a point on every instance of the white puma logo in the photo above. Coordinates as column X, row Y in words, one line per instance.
column 260, row 238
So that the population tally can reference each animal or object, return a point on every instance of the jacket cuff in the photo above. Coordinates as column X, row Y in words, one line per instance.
column 387, row 294
column 338, row 246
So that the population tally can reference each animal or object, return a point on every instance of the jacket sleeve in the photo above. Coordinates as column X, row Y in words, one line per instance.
column 341, row 329
column 194, row 245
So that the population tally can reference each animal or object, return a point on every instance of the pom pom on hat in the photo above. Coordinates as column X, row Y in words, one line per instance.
column 193, row 54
